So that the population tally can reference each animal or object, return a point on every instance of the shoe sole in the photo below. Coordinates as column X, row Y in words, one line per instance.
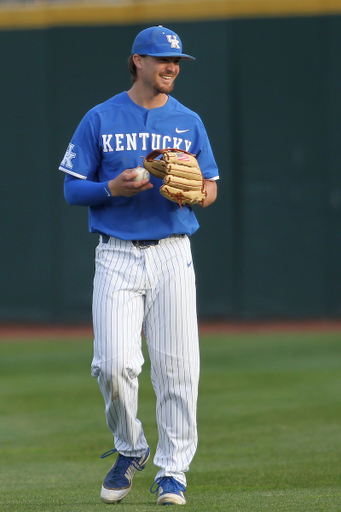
column 171, row 499
column 110, row 496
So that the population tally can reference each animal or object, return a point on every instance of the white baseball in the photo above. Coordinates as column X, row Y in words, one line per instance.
column 143, row 174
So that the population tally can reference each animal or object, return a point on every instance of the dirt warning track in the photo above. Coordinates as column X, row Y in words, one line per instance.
column 11, row 331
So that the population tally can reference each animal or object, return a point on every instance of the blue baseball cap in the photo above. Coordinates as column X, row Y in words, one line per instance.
column 159, row 42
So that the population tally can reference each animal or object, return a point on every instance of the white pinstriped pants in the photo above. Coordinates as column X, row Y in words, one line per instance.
column 153, row 288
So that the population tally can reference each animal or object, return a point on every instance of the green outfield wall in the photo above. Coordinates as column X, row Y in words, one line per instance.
column 267, row 86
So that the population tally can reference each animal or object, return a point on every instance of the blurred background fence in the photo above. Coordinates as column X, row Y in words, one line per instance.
column 266, row 83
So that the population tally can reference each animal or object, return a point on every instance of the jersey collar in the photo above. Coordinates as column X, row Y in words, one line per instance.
column 137, row 109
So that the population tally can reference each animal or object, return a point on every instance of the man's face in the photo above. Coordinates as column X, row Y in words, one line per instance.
column 159, row 73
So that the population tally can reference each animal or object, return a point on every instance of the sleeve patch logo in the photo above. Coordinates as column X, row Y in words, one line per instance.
column 69, row 155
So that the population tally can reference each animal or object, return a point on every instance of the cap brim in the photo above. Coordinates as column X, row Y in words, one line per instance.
column 167, row 54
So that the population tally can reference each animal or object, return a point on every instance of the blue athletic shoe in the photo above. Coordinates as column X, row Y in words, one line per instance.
column 169, row 491
column 118, row 481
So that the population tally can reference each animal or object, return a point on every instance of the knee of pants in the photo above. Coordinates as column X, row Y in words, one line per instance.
column 114, row 370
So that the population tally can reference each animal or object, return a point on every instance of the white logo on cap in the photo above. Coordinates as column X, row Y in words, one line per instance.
column 174, row 41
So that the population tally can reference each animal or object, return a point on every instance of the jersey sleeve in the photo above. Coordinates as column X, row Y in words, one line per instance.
column 82, row 157
column 85, row 192
column 206, row 158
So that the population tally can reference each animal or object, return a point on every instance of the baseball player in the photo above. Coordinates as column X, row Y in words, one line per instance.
column 144, row 275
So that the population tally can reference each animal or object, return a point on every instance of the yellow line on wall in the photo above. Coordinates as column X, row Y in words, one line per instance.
column 43, row 15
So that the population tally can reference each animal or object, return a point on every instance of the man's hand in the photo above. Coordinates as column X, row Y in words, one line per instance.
column 123, row 186
column 212, row 190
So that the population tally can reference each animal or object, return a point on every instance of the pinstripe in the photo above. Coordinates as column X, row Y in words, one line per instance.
column 117, row 348
column 174, row 354
column 155, row 288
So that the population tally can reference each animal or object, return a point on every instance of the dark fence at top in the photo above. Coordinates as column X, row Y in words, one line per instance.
column 268, row 91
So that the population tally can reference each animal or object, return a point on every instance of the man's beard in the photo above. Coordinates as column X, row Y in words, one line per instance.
column 164, row 89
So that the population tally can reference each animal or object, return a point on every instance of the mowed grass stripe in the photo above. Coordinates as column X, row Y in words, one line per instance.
column 269, row 419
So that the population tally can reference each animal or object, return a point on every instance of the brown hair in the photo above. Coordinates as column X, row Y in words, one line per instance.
column 132, row 68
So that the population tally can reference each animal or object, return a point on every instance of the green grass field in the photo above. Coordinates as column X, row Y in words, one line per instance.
column 269, row 425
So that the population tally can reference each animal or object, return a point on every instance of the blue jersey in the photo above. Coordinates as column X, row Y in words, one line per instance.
column 115, row 136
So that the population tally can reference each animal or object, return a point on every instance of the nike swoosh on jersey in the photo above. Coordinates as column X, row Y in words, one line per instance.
column 181, row 131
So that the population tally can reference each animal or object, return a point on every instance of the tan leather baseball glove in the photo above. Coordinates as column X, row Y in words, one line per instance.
column 183, row 181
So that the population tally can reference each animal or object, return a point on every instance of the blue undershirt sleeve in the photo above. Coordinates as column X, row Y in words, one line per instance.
column 85, row 193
